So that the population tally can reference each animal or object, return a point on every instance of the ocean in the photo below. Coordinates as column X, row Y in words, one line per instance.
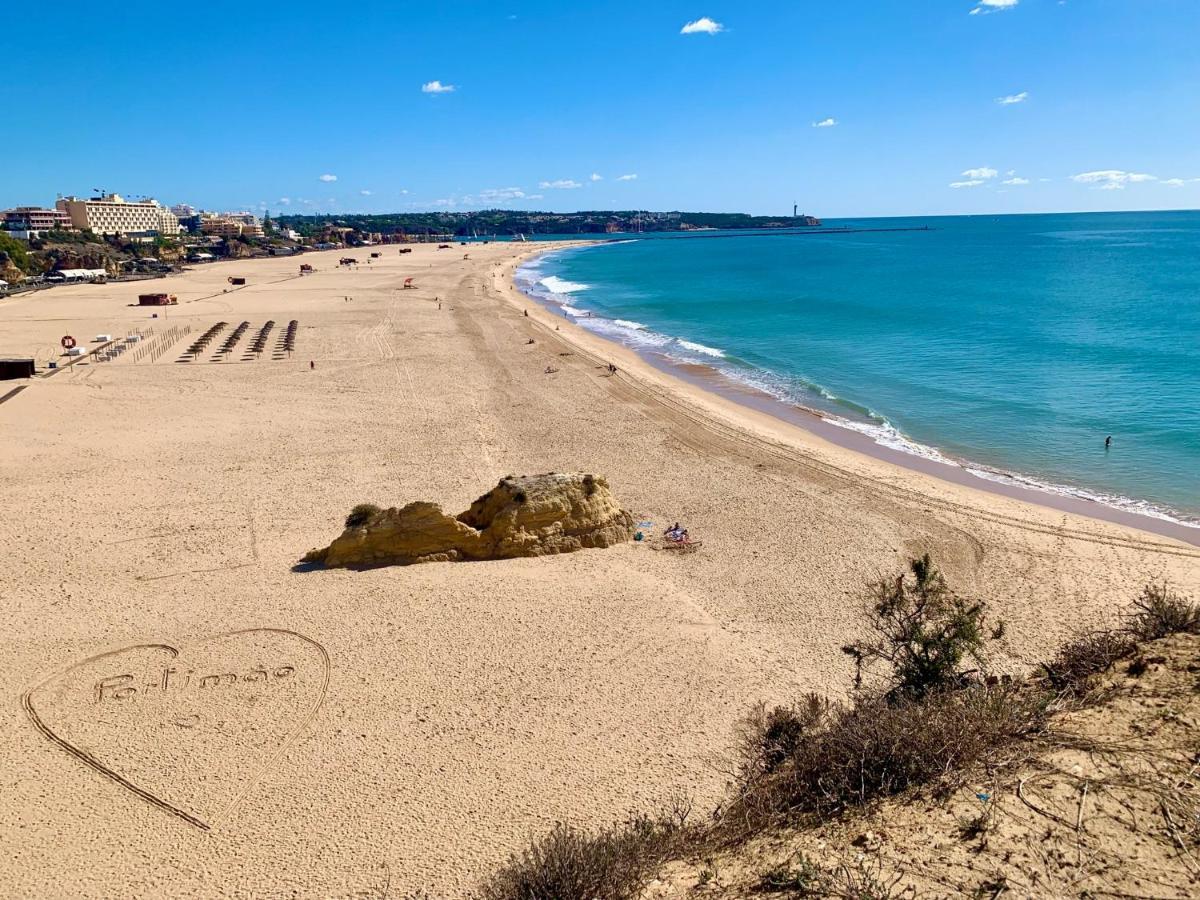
column 1009, row 345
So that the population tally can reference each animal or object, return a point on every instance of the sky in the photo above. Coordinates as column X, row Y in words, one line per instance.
column 869, row 108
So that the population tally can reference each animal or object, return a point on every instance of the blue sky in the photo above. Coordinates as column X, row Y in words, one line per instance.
column 238, row 105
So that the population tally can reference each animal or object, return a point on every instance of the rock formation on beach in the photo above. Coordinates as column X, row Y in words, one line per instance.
column 529, row 515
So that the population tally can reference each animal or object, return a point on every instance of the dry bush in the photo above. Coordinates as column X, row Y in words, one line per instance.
column 1074, row 668
column 767, row 738
column 875, row 748
column 576, row 864
column 1159, row 612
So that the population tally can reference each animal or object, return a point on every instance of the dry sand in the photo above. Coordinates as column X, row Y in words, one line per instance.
column 409, row 727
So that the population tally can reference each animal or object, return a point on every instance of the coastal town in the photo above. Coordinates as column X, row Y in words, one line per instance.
column 111, row 236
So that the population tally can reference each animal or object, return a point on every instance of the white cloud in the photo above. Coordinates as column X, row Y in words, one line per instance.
column 1010, row 99
column 974, row 182
column 981, row 172
column 825, row 123
column 1111, row 179
column 596, row 177
column 502, row 195
column 563, row 184
column 1180, row 182
column 1016, row 179
column 328, row 178
column 365, row 193
column 436, row 87
column 991, row 6
column 284, row 201
column 703, row 25
column 632, row 177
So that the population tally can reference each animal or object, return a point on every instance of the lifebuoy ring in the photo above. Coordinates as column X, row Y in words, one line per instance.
column 67, row 342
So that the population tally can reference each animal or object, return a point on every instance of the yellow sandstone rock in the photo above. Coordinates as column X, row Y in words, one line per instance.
column 529, row 515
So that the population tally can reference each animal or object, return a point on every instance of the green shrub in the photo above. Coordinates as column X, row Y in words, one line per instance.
column 804, row 878
column 922, row 630
column 15, row 250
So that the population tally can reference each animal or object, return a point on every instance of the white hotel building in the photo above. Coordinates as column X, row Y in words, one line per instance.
column 112, row 214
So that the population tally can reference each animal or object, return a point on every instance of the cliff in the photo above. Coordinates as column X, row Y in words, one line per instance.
column 531, row 515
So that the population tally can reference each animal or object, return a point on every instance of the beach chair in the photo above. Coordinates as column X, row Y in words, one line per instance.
column 408, row 283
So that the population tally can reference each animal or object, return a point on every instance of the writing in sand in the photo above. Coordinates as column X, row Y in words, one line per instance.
column 121, row 687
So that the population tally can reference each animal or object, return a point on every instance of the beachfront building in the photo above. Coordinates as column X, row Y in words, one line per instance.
column 113, row 214
column 219, row 226
column 229, row 225
column 251, row 224
column 28, row 221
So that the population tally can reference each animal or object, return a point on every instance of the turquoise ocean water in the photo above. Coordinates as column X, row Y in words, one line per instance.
column 1011, row 345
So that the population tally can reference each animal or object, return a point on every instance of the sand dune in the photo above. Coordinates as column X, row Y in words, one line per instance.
column 154, row 510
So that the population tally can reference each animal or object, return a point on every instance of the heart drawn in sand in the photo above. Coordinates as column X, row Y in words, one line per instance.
column 191, row 730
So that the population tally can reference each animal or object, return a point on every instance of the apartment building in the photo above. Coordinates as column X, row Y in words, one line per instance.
column 113, row 214
column 34, row 219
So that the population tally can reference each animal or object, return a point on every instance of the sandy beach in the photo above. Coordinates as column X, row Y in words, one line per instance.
column 421, row 722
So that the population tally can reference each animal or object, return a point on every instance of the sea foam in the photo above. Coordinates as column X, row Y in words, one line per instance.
column 557, row 285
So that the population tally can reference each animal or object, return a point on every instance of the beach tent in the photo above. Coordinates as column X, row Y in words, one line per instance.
column 79, row 274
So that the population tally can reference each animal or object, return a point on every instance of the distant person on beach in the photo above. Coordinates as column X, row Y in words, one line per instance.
column 527, row 314
column 311, row 364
